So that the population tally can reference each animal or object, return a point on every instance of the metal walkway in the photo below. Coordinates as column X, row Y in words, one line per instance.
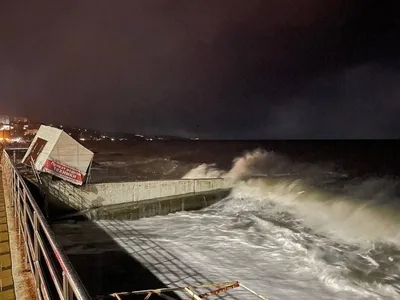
column 6, row 281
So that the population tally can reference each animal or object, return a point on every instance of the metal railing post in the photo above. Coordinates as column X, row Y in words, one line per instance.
column 35, row 233
column 25, row 222
column 18, row 207
column 66, row 288
column 36, row 249
column 37, row 278
column 13, row 187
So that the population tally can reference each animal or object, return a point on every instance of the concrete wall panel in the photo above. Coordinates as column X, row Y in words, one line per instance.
column 104, row 194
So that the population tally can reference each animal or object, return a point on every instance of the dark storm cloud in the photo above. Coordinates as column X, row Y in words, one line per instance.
column 236, row 69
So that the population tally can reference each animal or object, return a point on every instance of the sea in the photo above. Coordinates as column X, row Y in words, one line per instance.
column 304, row 220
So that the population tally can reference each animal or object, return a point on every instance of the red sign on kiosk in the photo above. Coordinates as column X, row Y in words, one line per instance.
column 63, row 171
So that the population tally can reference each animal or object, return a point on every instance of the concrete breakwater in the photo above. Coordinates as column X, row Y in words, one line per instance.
column 159, row 206
column 137, row 199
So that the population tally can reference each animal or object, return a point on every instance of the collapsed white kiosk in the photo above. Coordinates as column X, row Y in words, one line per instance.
column 53, row 151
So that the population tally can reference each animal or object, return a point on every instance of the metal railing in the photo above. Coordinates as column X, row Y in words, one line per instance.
column 213, row 289
column 54, row 276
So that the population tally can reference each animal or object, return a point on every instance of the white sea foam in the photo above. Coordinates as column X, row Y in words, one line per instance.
column 362, row 212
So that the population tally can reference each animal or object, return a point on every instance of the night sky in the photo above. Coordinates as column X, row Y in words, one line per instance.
column 213, row 69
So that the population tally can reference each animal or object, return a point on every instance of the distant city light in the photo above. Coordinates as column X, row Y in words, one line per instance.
column 17, row 140
column 21, row 130
column 6, row 127
column 4, row 139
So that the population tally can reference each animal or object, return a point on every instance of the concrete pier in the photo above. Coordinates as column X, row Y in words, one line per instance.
column 137, row 199
column 158, row 206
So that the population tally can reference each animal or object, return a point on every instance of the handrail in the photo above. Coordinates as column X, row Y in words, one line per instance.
column 37, row 234
column 214, row 289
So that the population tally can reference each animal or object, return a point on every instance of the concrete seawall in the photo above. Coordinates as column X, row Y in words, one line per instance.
column 133, row 200
column 159, row 206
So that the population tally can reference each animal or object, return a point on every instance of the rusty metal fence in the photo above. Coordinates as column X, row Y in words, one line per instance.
column 54, row 276
column 193, row 291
